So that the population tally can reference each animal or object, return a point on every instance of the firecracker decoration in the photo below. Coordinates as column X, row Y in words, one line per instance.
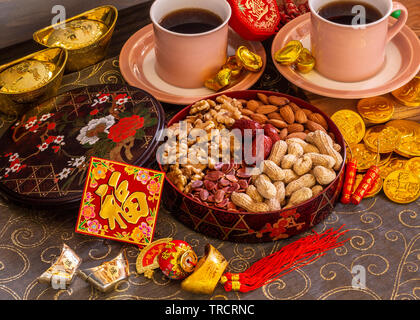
column 148, row 258
column 291, row 257
column 120, row 202
column 177, row 260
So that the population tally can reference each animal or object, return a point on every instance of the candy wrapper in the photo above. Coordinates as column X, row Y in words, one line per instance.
column 61, row 273
column 107, row 275
column 120, row 202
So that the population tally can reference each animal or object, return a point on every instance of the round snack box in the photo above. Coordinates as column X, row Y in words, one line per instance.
column 206, row 196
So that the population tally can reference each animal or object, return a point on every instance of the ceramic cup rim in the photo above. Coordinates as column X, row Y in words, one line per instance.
column 189, row 35
column 367, row 25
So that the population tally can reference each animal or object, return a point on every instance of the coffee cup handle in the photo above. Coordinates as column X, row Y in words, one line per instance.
column 392, row 31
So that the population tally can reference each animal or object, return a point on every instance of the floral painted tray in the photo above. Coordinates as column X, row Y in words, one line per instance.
column 46, row 154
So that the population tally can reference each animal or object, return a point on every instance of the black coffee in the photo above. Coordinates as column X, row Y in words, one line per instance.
column 190, row 21
column 342, row 12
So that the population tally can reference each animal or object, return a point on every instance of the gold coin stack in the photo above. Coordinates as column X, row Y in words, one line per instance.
column 397, row 154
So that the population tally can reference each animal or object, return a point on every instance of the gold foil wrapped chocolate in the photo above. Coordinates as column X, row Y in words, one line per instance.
column 289, row 53
column 230, row 72
column 305, row 62
column 207, row 272
column 86, row 36
column 62, row 271
column 248, row 59
column 107, row 275
column 30, row 79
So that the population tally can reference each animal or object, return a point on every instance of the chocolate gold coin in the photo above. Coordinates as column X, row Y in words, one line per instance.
column 351, row 125
column 394, row 164
column 409, row 145
column 409, row 94
column 376, row 109
column 402, row 186
column 387, row 137
column 413, row 165
column 365, row 158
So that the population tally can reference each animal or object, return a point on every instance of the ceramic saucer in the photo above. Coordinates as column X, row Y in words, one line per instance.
column 137, row 65
column 401, row 65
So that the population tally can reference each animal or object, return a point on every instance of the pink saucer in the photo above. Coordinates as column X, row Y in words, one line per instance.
column 137, row 61
column 402, row 64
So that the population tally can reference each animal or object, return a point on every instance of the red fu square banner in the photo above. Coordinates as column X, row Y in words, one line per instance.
column 120, row 202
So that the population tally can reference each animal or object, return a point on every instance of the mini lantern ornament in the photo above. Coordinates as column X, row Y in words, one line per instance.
column 177, row 260
column 254, row 20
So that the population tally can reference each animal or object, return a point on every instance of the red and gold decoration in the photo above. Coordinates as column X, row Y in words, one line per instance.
column 120, row 202
column 177, row 260
column 148, row 258
column 107, row 275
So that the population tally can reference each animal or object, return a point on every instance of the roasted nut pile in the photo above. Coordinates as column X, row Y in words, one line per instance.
column 301, row 157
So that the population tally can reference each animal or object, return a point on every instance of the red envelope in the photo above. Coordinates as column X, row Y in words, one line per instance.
column 120, row 202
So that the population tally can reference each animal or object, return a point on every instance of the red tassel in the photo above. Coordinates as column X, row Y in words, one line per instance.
column 291, row 257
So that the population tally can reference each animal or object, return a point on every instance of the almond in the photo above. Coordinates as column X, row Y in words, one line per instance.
column 295, row 127
column 252, row 105
column 243, row 101
column 246, row 112
column 259, row 117
column 263, row 98
column 307, row 111
column 266, row 109
column 294, row 106
column 275, row 115
column 287, row 114
column 313, row 126
column 283, row 133
column 277, row 123
column 300, row 135
column 318, row 118
column 278, row 101
column 300, row 116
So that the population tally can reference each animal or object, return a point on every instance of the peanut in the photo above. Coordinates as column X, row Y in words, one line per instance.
column 273, row 204
column 295, row 149
column 324, row 175
column 316, row 189
column 273, row 171
column 244, row 201
column 281, row 191
column 321, row 160
column 303, row 165
column 253, row 193
column 289, row 175
column 307, row 180
column 288, row 161
column 299, row 196
column 265, row 187
column 278, row 150
column 324, row 143
column 307, row 147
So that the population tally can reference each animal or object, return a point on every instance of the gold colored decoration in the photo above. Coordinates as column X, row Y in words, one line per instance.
column 350, row 124
column 402, row 186
column 409, row 94
column 376, row 109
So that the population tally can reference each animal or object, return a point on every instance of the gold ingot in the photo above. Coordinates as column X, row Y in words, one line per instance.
column 207, row 273
column 409, row 94
column 30, row 79
column 413, row 165
column 388, row 137
column 394, row 164
column 289, row 53
column 351, row 125
column 85, row 36
column 220, row 80
column 365, row 157
column 373, row 191
column 248, row 59
column 402, row 186
column 409, row 145
column 376, row 109
column 305, row 62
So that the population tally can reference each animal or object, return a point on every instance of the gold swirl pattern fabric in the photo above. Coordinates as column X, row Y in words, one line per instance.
column 384, row 243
